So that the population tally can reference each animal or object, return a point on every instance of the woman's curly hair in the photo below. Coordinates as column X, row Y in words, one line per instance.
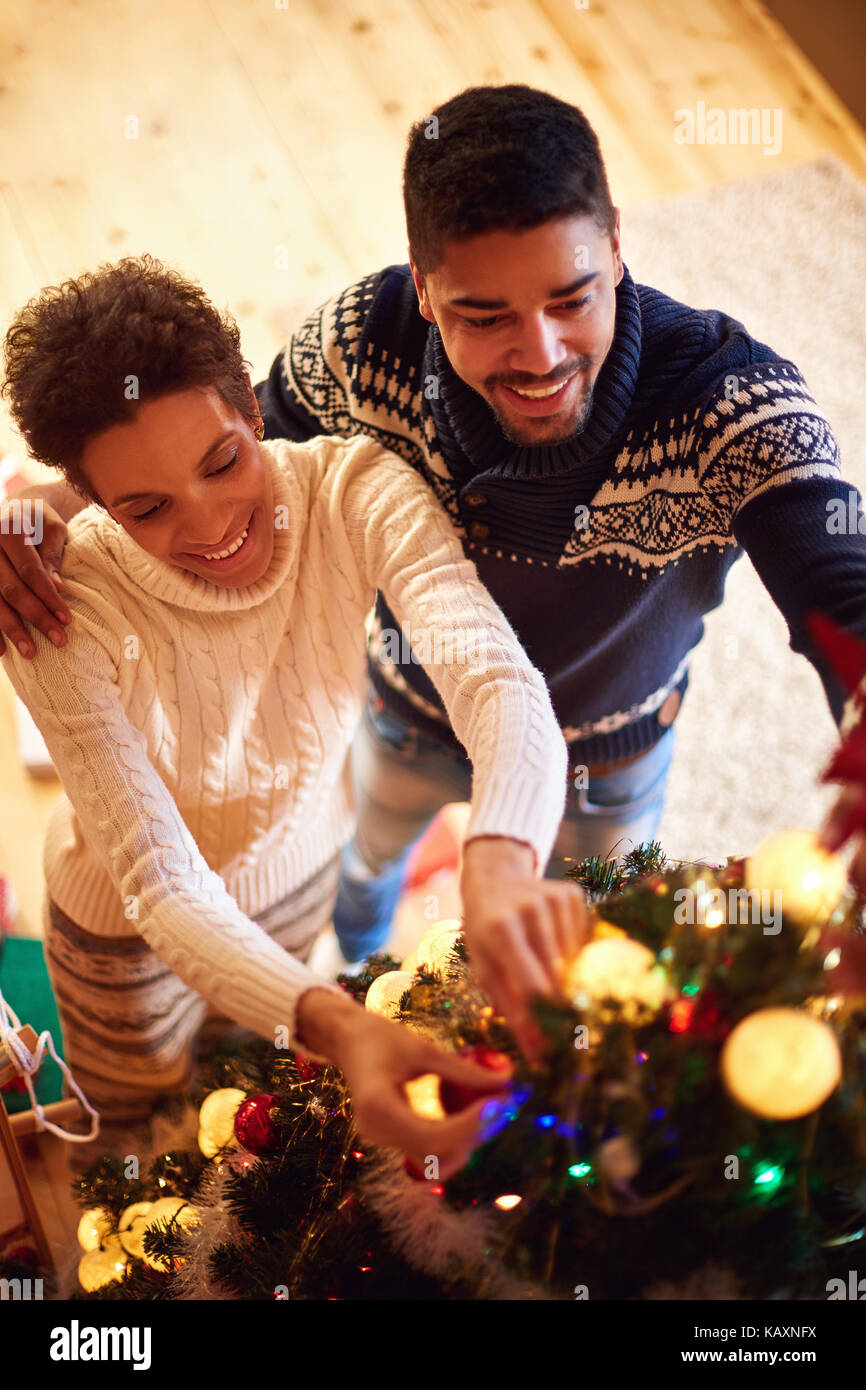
column 84, row 355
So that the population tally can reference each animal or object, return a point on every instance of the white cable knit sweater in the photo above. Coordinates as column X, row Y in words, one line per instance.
column 202, row 733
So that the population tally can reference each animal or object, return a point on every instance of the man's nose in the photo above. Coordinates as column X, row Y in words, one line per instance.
column 539, row 350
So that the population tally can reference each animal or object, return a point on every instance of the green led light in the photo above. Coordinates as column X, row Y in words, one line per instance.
column 580, row 1170
column 690, row 989
column 768, row 1178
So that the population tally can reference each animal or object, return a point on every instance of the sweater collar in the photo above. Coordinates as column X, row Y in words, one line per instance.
column 179, row 587
column 467, row 426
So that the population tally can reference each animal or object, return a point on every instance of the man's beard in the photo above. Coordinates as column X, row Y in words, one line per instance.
column 516, row 434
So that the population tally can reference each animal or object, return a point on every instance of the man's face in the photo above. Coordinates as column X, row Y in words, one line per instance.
column 187, row 480
column 527, row 319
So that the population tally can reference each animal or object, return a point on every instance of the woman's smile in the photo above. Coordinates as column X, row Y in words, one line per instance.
column 231, row 554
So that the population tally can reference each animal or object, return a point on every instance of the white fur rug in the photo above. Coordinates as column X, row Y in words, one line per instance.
column 785, row 253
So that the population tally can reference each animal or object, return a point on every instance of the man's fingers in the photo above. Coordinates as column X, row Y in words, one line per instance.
column 18, row 591
column 44, row 579
column 541, row 936
column 12, row 628
column 518, row 963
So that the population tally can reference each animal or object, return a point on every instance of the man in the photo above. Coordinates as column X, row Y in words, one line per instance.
column 605, row 453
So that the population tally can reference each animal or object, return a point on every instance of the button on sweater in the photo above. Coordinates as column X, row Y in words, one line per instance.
column 201, row 732
column 605, row 552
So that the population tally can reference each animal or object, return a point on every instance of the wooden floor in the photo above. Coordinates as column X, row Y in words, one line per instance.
column 214, row 132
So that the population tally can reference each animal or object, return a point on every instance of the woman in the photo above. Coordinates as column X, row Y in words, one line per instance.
column 202, row 709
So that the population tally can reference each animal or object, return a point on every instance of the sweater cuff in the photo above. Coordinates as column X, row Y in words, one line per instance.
column 514, row 840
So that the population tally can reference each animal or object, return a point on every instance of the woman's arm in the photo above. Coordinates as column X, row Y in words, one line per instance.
column 193, row 924
column 132, row 824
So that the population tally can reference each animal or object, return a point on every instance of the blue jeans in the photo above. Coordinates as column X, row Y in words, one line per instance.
column 403, row 778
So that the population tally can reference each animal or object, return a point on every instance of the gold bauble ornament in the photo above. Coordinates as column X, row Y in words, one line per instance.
column 95, row 1225
column 423, row 1095
column 386, row 991
column 603, row 929
column 808, row 877
column 217, row 1120
column 436, row 954
column 161, row 1211
column 621, row 969
column 427, row 954
column 617, row 1159
column 103, row 1265
column 781, row 1063
column 131, row 1225
column 445, row 926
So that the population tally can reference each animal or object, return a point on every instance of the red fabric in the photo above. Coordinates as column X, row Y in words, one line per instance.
column 439, row 849
column 846, row 655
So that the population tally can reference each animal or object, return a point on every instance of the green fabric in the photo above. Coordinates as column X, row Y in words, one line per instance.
column 27, row 989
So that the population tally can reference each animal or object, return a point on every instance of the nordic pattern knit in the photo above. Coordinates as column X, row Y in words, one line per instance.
column 701, row 444
column 201, row 733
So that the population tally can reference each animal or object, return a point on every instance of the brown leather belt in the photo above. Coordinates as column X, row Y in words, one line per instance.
column 666, row 716
column 602, row 769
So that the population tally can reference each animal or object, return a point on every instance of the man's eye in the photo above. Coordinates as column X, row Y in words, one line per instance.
column 483, row 323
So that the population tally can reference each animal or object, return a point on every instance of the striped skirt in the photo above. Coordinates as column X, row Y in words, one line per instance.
column 132, row 1030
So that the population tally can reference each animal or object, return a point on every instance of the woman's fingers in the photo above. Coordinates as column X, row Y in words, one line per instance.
column 451, row 1067
column 438, row 1147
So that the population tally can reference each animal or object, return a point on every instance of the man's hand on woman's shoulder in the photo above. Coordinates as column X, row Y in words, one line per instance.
column 32, row 538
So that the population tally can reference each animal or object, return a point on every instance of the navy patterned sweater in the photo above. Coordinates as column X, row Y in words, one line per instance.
column 606, row 551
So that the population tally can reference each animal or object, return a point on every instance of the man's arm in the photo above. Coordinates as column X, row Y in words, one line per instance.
column 308, row 390
column 64, row 500
column 800, row 538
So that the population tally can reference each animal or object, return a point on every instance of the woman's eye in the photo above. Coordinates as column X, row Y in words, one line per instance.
column 226, row 466
column 145, row 516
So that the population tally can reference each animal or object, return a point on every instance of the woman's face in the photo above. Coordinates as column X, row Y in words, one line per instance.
column 187, row 480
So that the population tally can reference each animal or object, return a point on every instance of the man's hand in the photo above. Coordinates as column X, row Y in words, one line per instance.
column 377, row 1057
column 30, row 580
column 520, row 929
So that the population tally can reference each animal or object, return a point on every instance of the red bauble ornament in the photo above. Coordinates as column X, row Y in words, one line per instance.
column 308, row 1070
column 455, row 1096
column 254, row 1128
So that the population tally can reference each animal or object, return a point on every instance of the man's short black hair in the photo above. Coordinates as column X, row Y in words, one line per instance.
column 499, row 159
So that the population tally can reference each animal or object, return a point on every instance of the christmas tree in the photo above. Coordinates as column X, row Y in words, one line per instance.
column 699, row 1106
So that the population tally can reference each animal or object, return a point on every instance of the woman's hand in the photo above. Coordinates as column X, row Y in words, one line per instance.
column 30, row 580
column 520, row 929
column 377, row 1057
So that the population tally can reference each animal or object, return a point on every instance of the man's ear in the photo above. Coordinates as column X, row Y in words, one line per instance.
column 616, row 250
column 421, row 290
